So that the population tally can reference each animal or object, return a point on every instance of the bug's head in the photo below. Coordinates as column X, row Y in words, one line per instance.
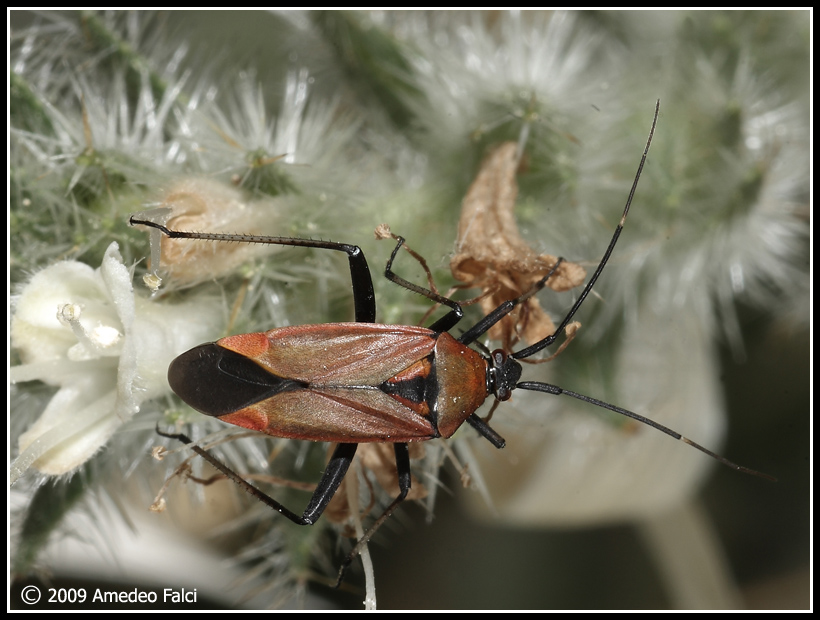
column 503, row 373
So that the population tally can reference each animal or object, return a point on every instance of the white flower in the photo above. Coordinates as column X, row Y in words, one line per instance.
column 106, row 348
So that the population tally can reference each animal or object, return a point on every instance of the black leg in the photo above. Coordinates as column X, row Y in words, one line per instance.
column 485, row 431
column 364, row 300
column 505, row 308
column 325, row 490
column 334, row 474
column 403, row 470
column 445, row 323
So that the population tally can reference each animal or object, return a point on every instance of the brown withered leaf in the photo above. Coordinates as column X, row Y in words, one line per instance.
column 492, row 255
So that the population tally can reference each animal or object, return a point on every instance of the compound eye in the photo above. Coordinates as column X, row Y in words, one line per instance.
column 501, row 390
column 503, row 393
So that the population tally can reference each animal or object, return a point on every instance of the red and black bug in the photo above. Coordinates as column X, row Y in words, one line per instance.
column 360, row 382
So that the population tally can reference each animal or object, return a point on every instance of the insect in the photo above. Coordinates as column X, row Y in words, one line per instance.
column 361, row 382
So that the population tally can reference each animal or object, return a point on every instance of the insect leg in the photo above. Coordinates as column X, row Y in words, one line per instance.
column 334, row 474
column 403, row 470
column 445, row 323
column 505, row 308
column 331, row 479
column 364, row 300
column 485, row 431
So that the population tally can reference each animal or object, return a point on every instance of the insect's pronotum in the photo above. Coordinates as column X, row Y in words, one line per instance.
column 360, row 382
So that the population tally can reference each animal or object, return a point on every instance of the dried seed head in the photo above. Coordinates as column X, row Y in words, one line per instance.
column 199, row 204
column 492, row 255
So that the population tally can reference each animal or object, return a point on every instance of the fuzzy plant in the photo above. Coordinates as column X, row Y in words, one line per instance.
column 326, row 125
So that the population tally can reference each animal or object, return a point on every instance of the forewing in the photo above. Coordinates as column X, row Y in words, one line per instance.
column 336, row 354
column 353, row 415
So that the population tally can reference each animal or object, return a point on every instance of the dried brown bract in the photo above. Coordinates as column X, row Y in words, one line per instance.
column 492, row 255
